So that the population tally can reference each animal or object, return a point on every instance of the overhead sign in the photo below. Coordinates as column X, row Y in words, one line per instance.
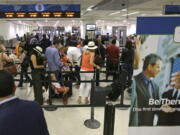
column 157, row 25
column 171, row 9
column 40, row 11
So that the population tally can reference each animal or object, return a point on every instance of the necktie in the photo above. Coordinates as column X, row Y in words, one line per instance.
column 175, row 94
column 150, row 89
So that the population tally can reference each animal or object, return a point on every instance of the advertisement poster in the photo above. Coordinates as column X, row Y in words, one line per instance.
column 155, row 97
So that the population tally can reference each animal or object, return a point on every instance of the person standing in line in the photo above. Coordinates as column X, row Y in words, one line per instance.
column 3, row 56
column 18, row 117
column 87, row 65
column 74, row 56
column 127, row 58
column 112, row 52
column 24, row 60
column 37, row 67
column 54, row 65
column 45, row 42
column 100, row 53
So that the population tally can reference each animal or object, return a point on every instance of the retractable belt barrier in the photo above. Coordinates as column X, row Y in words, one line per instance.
column 89, row 81
column 109, row 111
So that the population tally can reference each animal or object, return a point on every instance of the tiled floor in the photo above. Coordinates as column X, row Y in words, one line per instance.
column 70, row 121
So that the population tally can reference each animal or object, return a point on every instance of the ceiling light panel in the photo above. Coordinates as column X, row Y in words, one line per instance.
column 132, row 13
column 115, row 13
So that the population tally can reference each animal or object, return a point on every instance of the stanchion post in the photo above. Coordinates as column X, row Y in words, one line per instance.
column 109, row 117
column 50, row 94
column 92, row 123
column 97, row 72
column 122, row 87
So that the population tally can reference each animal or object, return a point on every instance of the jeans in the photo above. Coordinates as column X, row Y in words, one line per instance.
column 24, row 73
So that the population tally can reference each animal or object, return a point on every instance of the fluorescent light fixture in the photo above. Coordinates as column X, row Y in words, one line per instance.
column 114, row 13
column 143, row 14
column 124, row 10
column 137, row 12
column 90, row 8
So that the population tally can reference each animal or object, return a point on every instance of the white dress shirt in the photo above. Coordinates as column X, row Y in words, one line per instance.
column 74, row 55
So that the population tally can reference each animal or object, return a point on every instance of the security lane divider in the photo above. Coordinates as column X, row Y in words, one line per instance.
column 87, row 81
column 109, row 111
column 109, row 116
column 101, row 71
column 109, row 119
column 122, row 82
column 92, row 123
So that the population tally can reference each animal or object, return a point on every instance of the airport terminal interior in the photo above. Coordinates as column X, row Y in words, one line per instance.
column 74, row 24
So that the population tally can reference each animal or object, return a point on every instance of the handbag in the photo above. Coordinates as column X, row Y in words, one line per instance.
column 98, row 60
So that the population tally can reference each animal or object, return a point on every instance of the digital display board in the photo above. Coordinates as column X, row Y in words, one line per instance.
column 40, row 11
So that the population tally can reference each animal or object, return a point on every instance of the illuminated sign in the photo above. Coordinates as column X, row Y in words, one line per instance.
column 45, row 14
column 33, row 14
column 20, row 15
column 70, row 14
column 57, row 14
column 9, row 15
column 40, row 11
column 90, row 27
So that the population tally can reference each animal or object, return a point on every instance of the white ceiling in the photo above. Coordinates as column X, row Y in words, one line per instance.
column 109, row 10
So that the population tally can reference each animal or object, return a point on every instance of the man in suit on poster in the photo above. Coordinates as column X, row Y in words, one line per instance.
column 18, row 117
column 144, row 89
column 170, row 116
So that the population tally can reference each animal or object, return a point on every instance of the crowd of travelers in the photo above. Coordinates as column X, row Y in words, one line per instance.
column 64, row 56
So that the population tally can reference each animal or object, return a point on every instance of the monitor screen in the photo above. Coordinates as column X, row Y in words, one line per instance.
column 90, row 27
